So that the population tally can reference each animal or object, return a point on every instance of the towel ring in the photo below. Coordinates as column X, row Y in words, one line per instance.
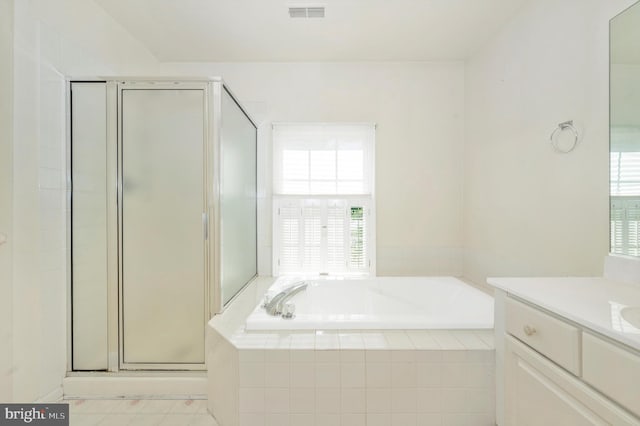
column 567, row 125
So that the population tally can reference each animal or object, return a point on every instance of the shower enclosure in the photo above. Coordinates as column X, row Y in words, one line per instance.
column 162, row 201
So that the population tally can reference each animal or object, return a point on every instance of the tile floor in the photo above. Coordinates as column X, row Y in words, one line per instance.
column 137, row 412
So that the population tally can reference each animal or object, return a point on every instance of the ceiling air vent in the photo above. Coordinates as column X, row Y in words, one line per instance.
column 315, row 12
column 306, row 12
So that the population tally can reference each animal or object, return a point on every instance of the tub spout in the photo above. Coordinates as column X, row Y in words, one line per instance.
column 274, row 307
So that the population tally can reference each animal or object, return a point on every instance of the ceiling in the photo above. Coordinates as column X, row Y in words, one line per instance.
column 353, row 30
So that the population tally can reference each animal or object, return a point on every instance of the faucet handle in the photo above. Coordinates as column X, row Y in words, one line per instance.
column 267, row 299
column 288, row 310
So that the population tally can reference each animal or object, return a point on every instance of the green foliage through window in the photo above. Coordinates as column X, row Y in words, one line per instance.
column 357, row 234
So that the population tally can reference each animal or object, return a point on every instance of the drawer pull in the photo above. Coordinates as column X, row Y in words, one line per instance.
column 529, row 331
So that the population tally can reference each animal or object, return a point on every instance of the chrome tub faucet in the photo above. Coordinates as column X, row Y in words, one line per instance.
column 275, row 305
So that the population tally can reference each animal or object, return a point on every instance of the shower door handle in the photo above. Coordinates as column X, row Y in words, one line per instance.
column 205, row 225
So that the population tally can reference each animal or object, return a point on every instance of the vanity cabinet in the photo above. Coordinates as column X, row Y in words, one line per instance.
column 538, row 392
column 554, row 372
column 612, row 370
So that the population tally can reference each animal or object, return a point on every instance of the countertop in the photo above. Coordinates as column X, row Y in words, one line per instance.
column 593, row 303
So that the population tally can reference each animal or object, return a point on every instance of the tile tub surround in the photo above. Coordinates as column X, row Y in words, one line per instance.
column 345, row 377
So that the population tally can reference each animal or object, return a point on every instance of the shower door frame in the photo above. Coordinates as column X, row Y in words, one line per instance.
column 207, row 164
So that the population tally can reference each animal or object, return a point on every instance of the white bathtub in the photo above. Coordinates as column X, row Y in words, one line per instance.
column 403, row 303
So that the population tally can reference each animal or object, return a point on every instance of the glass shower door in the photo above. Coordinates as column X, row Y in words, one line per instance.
column 162, row 231
column 89, row 239
column 238, row 199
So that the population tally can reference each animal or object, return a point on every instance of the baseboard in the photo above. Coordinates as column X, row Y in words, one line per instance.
column 132, row 387
column 53, row 396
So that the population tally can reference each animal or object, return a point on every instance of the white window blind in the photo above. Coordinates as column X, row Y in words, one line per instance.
column 625, row 161
column 323, row 159
column 625, row 173
column 311, row 236
column 625, row 190
column 289, row 221
column 336, row 236
column 625, row 225
column 327, row 236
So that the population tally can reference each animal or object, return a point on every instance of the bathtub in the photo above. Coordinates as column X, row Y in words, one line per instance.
column 420, row 350
column 402, row 303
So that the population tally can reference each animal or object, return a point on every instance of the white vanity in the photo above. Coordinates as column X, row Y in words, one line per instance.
column 567, row 351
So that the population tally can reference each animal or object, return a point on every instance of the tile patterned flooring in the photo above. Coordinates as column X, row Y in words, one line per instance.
column 138, row 412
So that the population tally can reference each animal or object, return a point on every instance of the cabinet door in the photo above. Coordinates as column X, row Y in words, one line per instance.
column 540, row 393
column 620, row 383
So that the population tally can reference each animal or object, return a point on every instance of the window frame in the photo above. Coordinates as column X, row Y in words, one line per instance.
column 365, row 199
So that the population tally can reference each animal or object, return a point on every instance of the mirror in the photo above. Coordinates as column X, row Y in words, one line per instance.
column 624, row 121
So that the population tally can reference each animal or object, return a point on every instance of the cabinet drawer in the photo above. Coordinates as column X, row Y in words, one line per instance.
column 612, row 370
column 555, row 339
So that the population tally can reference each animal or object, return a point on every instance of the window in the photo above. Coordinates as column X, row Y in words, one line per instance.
column 323, row 159
column 625, row 191
column 323, row 199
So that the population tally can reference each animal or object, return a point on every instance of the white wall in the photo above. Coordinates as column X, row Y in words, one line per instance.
column 418, row 108
column 90, row 42
column 39, row 290
column 6, row 104
column 35, row 57
column 528, row 210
